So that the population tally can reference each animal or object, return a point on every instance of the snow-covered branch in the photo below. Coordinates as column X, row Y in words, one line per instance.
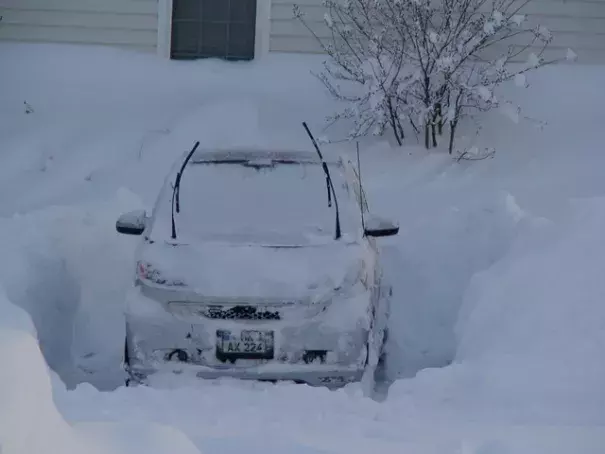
column 424, row 63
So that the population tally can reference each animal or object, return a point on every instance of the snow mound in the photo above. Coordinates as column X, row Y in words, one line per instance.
column 133, row 437
column 510, row 303
column 535, row 322
column 68, row 268
column 530, row 333
column 29, row 421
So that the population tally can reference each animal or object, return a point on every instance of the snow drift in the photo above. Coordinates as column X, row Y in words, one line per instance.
column 30, row 422
column 496, row 273
column 529, row 332
column 68, row 269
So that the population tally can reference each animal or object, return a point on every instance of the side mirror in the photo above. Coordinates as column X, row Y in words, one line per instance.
column 379, row 227
column 132, row 223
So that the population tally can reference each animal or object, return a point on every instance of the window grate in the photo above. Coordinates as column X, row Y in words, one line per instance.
column 213, row 29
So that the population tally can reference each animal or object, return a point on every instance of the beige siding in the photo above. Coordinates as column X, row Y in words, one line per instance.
column 124, row 23
column 579, row 24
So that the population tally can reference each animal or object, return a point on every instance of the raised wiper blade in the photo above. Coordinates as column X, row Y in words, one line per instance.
column 329, row 183
column 176, row 191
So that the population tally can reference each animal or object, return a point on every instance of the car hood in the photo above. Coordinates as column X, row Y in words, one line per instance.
column 251, row 271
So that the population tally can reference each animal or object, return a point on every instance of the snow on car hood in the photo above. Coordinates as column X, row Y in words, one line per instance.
column 236, row 271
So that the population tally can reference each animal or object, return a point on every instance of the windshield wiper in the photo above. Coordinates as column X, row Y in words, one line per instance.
column 329, row 183
column 176, row 189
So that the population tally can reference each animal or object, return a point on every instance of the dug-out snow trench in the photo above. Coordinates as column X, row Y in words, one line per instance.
column 52, row 299
column 68, row 269
column 72, row 270
column 430, row 264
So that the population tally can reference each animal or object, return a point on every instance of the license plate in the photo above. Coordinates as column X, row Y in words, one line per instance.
column 248, row 344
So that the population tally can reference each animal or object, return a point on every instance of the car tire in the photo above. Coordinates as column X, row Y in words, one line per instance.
column 126, row 359
column 126, row 363
column 382, row 358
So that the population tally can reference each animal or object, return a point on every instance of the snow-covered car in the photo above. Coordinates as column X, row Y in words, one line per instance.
column 257, row 264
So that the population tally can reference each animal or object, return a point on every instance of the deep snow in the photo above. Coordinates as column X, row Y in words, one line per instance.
column 496, row 269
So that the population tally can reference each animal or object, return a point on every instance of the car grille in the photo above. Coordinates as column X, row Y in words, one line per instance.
column 239, row 313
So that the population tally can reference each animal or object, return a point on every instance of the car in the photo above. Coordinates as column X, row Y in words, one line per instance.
column 257, row 264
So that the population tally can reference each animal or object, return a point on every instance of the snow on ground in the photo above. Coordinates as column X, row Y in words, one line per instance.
column 29, row 419
column 498, row 324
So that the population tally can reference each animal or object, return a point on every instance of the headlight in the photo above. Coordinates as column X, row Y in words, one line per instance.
column 147, row 272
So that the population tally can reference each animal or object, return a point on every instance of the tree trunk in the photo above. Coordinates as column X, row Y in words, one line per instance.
column 414, row 127
column 394, row 122
column 396, row 132
column 439, row 118
column 453, row 125
column 400, row 127
column 427, row 143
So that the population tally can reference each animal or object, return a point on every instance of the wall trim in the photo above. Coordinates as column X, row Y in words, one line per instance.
column 263, row 28
column 164, row 28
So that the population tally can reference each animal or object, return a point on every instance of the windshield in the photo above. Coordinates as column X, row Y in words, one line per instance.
column 286, row 203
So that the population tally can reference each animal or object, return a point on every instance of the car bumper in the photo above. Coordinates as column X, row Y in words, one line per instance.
column 153, row 336
column 313, row 375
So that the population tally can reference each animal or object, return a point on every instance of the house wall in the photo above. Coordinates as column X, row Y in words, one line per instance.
column 124, row 23
column 579, row 24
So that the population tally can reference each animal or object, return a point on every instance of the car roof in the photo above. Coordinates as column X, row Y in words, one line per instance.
column 235, row 155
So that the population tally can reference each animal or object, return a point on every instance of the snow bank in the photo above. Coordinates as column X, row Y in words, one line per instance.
column 102, row 116
column 458, row 219
column 530, row 333
column 135, row 437
column 493, row 269
column 29, row 421
column 68, row 268
column 534, row 323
